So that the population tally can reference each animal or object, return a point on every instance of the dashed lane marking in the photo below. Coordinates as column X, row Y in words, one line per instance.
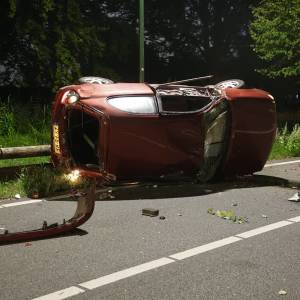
column 205, row 248
column 62, row 294
column 20, row 203
column 282, row 163
column 263, row 229
column 114, row 277
column 104, row 280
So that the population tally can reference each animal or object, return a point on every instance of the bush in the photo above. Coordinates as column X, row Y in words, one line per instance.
column 24, row 124
column 287, row 143
column 43, row 180
column 37, row 180
column 7, row 121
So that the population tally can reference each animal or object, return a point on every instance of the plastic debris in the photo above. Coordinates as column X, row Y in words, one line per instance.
column 295, row 198
column 17, row 196
column 264, row 216
column 151, row 212
column 282, row 292
column 162, row 217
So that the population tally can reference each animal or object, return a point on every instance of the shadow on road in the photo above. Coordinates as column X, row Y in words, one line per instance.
column 189, row 189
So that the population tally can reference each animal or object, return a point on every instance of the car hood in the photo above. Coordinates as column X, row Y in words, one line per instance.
column 107, row 90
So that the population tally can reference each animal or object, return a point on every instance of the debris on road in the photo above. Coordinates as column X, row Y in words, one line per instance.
column 28, row 244
column 84, row 209
column 295, row 198
column 264, row 216
column 179, row 214
column 234, row 204
column 17, row 196
column 282, row 292
column 228, row 215
column 151, row 212
column 162, row 217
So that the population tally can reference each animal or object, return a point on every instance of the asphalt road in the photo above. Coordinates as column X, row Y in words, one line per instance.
column 138, row 257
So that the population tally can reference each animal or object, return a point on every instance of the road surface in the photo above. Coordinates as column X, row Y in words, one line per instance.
column 191, row 254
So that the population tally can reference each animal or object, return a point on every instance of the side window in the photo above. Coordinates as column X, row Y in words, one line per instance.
column 182, row 99
column 183, row 103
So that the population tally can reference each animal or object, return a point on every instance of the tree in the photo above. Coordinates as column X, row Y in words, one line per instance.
column 48, row 43
column 276, row 35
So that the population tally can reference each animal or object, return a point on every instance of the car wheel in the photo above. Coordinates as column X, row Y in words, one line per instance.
column 95, row 80
column 231, row 83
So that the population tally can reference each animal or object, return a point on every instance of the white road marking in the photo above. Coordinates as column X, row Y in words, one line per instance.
column 95, row 283
column 296, row 219
column 263, row 229
column 21, row 203
column 205, row 248
column 282, row 163
column 62, row 294
column 114, row 277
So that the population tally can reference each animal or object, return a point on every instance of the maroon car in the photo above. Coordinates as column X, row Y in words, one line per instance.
column 138, row 131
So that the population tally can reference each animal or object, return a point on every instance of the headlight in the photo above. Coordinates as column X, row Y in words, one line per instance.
column 137, row 105
column 72, row 97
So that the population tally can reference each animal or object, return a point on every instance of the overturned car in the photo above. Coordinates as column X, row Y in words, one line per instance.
column 120, row 132
column 137, row 131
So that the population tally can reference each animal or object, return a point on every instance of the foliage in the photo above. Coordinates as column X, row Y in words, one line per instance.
column 50, row 43
column 276, row 35
column 227, row 215
column 50, row 39
column 24, row 124
column 7, row 124
column 37, row 180
column 287, row 144
column 43, row 181
column 8, row 189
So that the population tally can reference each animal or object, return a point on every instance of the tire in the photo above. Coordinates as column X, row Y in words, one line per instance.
column 231, row 83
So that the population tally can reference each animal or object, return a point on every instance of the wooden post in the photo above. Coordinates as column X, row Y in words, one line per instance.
column 28, row 151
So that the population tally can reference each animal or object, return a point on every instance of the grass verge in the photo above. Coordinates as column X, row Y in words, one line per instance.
column 41, row 181
column 286, row 144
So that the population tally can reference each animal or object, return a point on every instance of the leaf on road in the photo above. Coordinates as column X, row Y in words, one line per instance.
column 227, row 215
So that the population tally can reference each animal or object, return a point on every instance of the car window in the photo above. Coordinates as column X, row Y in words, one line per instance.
column 183, row 103
column 135, row 104
column 179, row 99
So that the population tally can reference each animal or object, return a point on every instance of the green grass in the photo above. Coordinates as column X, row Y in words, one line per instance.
column 24, row 125
column 9, row 189
column 24, row 161
column 287, row 143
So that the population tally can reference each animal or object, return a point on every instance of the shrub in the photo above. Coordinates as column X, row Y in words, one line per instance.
column 287, row 143
column 7, row 121
column 37, row 180
column 43, row 181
